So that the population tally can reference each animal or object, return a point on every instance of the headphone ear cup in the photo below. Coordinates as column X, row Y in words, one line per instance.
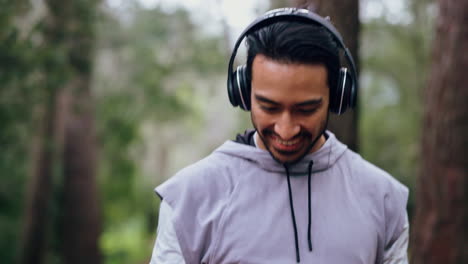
column 239, row 89
column 233, row 90
column 341, row 97
column 244, row 87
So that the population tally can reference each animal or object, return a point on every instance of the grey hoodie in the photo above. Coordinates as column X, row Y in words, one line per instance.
column 234, row 207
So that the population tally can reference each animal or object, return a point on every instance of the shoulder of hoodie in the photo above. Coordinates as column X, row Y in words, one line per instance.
column 386, row 196
column 371, row 178
column 212, row 173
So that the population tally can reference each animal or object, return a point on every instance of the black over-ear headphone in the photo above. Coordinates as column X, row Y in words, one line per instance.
column 342, row 97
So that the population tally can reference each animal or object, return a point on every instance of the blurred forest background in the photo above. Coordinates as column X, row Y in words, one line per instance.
column 100, row 101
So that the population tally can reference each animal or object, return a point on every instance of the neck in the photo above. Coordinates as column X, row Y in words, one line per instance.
column 320, row 141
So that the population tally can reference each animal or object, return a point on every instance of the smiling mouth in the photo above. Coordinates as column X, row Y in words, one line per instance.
column 286, row 146
column 287, row 142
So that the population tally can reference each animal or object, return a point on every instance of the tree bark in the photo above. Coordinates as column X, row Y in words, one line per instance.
column 439, row 229
column 344, row 15
column 46, row 152
column 81, row 211
column 46, row 149
column 80, row 220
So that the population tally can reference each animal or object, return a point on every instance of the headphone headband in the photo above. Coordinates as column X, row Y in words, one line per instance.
column 295, row 14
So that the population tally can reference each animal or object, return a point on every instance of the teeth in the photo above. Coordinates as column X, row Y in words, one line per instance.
column 287, row 143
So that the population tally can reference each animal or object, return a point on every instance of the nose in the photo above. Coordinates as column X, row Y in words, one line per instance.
column 286, row 127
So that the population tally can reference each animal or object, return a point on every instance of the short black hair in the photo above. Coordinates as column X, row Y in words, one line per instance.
column 295, row 42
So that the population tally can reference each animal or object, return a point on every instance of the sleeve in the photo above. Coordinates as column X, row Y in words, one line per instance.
column 397, row 252
column 166, row 248
column 198, row 196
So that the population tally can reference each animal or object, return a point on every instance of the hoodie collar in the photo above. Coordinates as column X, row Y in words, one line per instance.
column 323, row 158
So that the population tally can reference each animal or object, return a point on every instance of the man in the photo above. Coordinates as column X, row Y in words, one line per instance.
column 287, row 191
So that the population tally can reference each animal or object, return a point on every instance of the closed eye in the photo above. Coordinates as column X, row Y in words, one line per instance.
column 269, row 109
column 306, row 111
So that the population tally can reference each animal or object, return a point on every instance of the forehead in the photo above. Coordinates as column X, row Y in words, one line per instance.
column 281, row 81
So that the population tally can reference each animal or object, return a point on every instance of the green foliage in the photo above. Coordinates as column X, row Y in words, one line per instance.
column 158, row 55
column 395, row 59
column 17, row 96
column 34, row 63
column 146, row 68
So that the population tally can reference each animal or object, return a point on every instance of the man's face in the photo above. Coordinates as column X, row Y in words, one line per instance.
column 289, row 107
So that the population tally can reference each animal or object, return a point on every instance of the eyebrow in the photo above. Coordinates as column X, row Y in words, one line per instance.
column 310, row 102
column 265, row 100
column 305, row 103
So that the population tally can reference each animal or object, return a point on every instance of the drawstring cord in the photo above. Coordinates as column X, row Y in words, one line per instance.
column 291, row 206
column 309, row 194
column 293, row 215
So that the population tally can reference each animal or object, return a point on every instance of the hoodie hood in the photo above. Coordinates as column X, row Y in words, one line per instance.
column 322, row 159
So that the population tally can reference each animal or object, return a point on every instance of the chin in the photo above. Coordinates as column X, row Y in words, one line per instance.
column 284, row 158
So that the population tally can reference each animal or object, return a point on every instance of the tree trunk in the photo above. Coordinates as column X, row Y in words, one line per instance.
column 46, row 151
column 37, row 215
column 344, row 15
column 439, row 230
column 80, row 219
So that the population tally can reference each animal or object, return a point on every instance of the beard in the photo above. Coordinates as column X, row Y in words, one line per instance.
column 309, row 140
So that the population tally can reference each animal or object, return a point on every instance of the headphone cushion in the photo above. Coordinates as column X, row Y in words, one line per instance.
column 244, row 87
column 233, row 90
